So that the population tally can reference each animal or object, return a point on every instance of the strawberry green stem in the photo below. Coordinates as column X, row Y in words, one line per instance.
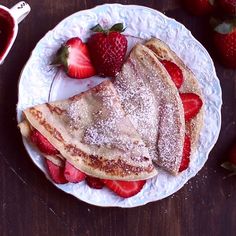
column 115, row 28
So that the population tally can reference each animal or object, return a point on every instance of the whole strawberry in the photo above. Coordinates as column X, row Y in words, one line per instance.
column 199, row 7
column 73, row 57
column 107, row 49
column 224, row 39
column 228, row 7
column 231, row 163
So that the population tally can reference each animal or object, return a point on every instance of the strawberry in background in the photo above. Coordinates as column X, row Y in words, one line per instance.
column 224, row 39
column 231, row 163
column 199, row 7
column 228, row 7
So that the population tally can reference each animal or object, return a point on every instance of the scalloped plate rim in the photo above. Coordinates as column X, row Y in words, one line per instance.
column 29, row 148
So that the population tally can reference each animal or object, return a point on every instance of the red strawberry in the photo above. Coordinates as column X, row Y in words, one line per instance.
column 224, row 39
column 107, row 49
column 94, row 182
column 186, row 154
column 231, row 163
column 72, row 174
column 232, row 155
column 199, row 7
column 56, row 172
column 228, row 7
column 42, row 143
column 192, row 104
column 175, row 72
column 73, row 56
column 124, row 188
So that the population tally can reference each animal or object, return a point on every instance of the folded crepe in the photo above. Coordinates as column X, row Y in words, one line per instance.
column 93, row 133
column 190, row 85
column 154, row 106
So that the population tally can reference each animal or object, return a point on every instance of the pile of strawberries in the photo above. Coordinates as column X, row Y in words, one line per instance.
column 224, row 39
column 223, row 24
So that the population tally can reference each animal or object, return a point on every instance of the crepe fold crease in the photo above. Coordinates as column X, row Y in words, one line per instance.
column 93, row 133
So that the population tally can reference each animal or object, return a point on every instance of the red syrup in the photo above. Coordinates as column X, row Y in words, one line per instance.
column 6, row 31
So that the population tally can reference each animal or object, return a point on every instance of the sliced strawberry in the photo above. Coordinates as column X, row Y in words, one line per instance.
column 186, row 154
column 192, row 104
column 175, row 72
column 94, row 182
column 42, row 143
column 230, row 164
column 72, row 174
column 124, row 188
column 75, row 59
column 56, row 172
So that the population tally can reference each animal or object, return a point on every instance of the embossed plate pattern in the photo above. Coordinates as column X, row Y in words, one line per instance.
column 142, row 22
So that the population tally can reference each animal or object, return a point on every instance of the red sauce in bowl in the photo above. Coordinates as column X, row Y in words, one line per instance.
column 6, row 31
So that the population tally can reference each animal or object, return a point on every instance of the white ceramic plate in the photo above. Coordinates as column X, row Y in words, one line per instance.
column 39, row 81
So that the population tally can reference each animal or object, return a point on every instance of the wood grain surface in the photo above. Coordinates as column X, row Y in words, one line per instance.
column 31, row 205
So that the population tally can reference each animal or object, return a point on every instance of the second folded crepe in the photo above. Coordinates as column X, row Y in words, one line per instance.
column 154, row 106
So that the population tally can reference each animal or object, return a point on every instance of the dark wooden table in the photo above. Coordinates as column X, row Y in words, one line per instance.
column 31, row 205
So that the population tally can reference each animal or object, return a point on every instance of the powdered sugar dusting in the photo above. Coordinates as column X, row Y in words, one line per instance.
column 100, row 118
column 153, row 107
column 169, row 137
column 75, row 117
column 105, row 130
column 138, row 101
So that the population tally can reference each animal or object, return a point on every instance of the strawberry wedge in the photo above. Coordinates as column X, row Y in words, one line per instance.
column 192, row 104
column 94, row 182
column 74, row 57
column 42, row 143
column 72, row 174
column 175, row 72
column 124, row 189
column 56, row 172
column 186, row 154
